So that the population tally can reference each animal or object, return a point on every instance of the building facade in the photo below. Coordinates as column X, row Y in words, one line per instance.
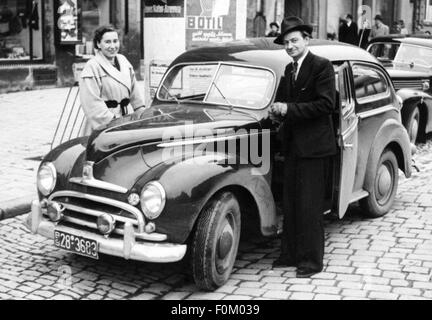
column 45, row 43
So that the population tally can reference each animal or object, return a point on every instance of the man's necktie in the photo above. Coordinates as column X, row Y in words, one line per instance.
column 294, row 72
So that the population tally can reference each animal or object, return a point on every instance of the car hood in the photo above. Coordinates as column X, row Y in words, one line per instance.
column 398, row 73
column 165, row 123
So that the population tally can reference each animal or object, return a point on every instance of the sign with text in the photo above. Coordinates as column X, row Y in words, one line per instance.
column 164, row 8
column 210, row 21
column 68, row 21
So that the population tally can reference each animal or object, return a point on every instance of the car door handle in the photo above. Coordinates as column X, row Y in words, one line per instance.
column 347, row 145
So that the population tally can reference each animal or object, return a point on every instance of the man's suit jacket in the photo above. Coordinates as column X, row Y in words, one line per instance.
column 349, row 34
column 308, row 128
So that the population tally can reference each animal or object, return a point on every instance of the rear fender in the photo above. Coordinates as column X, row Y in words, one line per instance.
column 394, row 136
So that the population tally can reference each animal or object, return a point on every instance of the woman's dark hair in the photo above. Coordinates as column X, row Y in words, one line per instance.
column 98, row 34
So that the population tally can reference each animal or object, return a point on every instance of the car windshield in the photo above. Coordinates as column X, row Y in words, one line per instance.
column 384, row 51
column 414, row 54
column 223, row 84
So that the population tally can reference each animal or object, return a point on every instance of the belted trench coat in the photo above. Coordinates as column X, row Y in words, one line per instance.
column 100, row 81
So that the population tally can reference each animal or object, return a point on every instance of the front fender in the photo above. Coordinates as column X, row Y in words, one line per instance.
column 394, row 136
column 423, row 100
column 64, row 158
column 411, row 94
column 189, row 185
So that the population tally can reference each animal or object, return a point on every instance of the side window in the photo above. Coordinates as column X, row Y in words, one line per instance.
column 369, row 83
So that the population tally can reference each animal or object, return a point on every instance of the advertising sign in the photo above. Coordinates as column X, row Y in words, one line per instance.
column 164, row 8
column 210, row 21
column 68, row 21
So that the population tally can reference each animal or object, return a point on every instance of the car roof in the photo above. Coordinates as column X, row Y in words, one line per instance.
column 418, row 39
column 264, row 52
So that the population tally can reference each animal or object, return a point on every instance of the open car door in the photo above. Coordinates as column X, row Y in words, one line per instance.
column 347, row 139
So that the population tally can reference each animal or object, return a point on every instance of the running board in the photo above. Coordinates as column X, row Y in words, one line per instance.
column 359, row 195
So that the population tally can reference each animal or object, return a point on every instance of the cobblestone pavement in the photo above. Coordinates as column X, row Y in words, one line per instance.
column 27, row 124
column 384, row 258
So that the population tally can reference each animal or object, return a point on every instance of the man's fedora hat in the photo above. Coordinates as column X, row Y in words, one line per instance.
column 290, row 24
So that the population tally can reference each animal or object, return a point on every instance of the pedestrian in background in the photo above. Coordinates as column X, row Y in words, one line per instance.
column 395, row 29
column 349, row 31
column 403, row 28
column 306, row 102
column 108, row 85
column 379, row 28
column 274, row 30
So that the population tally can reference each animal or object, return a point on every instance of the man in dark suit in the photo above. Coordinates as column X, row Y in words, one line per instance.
column 308, row 95
column 348, row 32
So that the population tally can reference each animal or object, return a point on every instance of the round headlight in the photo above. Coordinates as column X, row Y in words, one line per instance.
column 46, row 178
column 152, row 199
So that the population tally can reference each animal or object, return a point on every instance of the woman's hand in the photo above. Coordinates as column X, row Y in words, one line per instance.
column 136, row 115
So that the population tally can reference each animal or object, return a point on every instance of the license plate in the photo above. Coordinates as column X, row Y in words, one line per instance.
column 77, row 244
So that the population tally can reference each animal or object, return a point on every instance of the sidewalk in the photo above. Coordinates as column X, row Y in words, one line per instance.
column 27, row 124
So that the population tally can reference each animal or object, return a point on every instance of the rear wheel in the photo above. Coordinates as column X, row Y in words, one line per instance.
column 215, row 242
column 384, row 186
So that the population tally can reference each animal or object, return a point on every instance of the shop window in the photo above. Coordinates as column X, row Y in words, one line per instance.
column 21, row 30
column 94, row 14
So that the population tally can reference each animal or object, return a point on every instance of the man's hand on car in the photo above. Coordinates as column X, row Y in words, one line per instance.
column 278, row 111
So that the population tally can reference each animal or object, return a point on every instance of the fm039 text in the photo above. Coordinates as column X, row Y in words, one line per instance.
column 236, row 309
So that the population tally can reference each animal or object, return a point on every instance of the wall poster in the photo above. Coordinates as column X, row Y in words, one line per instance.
column 68, row 21
column 210, row 21
column 164, row 8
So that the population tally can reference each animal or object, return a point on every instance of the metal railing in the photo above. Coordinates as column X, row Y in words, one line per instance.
column 71, row 119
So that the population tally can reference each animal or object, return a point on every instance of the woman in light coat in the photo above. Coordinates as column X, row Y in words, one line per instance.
column 108, row 86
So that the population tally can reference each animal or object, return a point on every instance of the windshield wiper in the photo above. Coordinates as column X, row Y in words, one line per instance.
column 170, row 95
column 231, row 106
column 225, row 98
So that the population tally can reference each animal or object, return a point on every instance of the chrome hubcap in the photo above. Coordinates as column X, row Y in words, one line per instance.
column 224, row 246
column 225, row 242
column 384, row 183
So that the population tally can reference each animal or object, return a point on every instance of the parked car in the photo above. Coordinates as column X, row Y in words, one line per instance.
column 144, row 189
column 408, row 60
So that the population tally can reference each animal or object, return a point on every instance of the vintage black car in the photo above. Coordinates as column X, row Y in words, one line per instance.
column 203, row 163
column 408, row 60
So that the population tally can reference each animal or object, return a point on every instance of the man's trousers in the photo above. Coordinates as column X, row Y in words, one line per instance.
column 305, row 184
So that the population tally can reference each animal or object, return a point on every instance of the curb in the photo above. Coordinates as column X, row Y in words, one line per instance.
column 15, row 207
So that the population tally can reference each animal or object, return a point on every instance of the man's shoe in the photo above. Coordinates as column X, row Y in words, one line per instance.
column 282, row 262
column 306, row 272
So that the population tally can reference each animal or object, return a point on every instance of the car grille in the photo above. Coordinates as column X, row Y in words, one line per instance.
column 409, row 84
column 82, row 210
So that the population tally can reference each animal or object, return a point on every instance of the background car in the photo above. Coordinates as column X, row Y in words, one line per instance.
column 409, row 63
column 203, row 164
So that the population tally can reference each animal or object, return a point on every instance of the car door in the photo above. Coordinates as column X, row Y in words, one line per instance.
column 347, row 139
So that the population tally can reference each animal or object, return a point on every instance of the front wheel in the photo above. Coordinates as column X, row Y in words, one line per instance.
column 384, row 187
column 215, row 242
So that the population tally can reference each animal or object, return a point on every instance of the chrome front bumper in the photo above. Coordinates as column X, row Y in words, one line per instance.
column 127, row 248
